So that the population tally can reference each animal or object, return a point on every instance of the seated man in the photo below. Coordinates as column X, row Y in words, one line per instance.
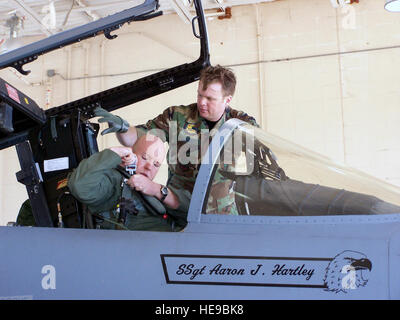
column 121, row 203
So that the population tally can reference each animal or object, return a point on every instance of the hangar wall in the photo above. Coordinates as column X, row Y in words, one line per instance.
column 325, row 78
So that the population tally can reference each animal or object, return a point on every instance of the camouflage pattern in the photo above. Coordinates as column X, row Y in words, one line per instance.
column 221, row 198
column 188, row 135
column 221, row 195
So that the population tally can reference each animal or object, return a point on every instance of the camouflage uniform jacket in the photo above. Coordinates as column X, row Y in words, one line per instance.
column 96, row 183
column 188, row 135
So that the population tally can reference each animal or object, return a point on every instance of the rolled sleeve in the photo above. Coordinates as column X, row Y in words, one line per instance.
column 159, row 126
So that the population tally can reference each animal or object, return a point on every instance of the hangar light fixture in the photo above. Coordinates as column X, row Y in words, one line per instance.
column 392, row 5
column 13, row 42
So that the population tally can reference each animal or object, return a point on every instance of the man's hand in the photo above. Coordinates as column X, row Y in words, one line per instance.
column 146, row 186
column 115, row 123
column 143, row 184
column 126, row 154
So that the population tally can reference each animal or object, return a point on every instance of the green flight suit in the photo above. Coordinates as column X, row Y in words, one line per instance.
column 97, row 183
column 25, row 215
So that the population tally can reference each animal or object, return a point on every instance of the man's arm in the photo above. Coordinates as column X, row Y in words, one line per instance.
column 91, row 182
column 171, row 200
column 128, row 138
column 143, row 184
column 126, row 134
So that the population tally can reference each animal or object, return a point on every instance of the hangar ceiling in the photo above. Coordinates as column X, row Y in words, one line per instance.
column 24, row 18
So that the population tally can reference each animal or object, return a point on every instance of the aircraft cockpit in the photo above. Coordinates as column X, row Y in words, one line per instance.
column 253, row 173
column 267, row 219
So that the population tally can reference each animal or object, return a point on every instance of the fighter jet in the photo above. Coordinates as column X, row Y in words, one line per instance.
column 292, row 224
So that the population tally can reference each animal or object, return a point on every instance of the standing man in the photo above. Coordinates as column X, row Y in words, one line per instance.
column 187, row 129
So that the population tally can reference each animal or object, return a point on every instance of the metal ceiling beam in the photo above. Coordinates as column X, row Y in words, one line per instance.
column 92, row 14
column 31, row 13
column 181, row 10
column 107, row 5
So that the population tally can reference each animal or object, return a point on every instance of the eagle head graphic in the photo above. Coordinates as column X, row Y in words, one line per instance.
column 347, row 271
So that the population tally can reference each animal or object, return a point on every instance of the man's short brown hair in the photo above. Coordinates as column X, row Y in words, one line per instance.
column 220, row 74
